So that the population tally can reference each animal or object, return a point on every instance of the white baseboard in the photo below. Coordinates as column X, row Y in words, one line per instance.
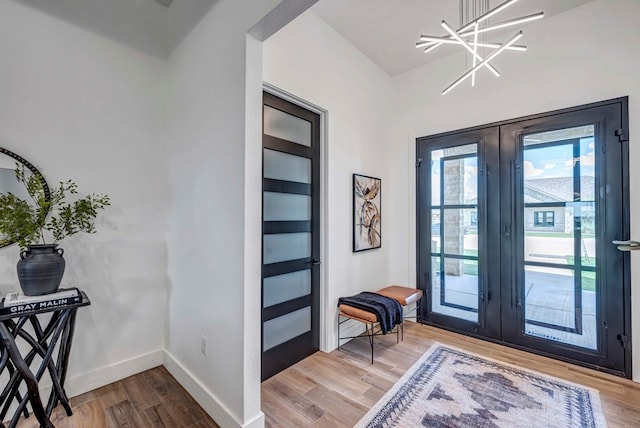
column 351, row 328
column 94, row 379
column 203, row 396
column 77, row 385
column 257, row 422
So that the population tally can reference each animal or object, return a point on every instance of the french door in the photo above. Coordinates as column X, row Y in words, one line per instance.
column 515, row 228
column 291, row 234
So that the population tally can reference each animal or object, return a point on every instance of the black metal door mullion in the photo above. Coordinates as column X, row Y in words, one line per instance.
column 458, row 206
column 443, row 274
column 460, row 257
column 577, row 230
column 424, row 256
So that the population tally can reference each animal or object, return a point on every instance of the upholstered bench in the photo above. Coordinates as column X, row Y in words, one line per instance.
column 404, row 295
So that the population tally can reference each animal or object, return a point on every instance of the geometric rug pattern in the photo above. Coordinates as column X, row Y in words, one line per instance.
column 450, row 388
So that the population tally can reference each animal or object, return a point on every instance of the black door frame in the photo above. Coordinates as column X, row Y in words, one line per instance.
column 506, row 289
column 282, row 356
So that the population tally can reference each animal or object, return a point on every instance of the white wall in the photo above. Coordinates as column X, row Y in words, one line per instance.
column 587, row 54
column 212, row 290
column 81, row 106
column 141, row 24
column 183, row 16
column 308, row 59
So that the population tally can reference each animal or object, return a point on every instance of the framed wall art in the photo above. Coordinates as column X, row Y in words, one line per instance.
column 367, row 206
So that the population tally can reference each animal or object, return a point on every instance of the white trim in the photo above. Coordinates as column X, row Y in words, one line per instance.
column 325, row 346
column 94, row 379
column 351, row 329
column 205, row 398
column 85, row 382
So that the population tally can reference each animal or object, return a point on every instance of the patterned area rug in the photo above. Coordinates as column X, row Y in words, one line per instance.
column 450, row 388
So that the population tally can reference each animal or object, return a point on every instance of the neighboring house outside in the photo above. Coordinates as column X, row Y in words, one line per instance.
column 557, row 218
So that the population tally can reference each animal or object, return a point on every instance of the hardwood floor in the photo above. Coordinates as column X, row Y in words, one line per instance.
column 149, row 399
column 336, row 389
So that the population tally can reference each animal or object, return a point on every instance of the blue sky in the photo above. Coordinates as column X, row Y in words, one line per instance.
column 549, row 162
column 558, row 161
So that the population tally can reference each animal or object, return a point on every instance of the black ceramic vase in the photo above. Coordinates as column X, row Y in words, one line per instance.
column 40, row 269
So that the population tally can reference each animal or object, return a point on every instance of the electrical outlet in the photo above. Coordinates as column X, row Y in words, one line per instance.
column 203, row 345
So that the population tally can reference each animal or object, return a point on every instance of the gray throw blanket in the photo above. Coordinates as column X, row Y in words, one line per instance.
column 388, row 311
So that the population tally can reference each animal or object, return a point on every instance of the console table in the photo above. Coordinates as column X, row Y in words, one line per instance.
column 42, row 342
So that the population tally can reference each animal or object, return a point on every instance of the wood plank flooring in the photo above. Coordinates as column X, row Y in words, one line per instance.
column 151, row 399
column 336, row 389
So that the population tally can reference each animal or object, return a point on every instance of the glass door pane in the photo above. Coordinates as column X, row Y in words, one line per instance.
column 559, row 213
column 283, row 125
column 454, row 232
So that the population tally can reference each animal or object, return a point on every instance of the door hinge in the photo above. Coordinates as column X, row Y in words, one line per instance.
column 419, row 163
column 622, row 134
column 625, row 341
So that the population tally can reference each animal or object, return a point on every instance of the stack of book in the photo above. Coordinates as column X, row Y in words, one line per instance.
column 16, row 302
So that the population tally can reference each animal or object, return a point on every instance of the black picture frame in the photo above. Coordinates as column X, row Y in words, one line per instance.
column 367, row 213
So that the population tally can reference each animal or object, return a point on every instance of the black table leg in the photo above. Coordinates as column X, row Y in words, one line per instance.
column 27, row 375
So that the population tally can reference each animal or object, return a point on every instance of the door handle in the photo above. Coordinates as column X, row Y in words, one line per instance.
column 315, row 262
column 627, row 245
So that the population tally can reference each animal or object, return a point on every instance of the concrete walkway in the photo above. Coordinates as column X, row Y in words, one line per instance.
column 549, row 298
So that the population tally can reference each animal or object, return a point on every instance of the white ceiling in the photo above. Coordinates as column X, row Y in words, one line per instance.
column 386, row 30
column 146, row 25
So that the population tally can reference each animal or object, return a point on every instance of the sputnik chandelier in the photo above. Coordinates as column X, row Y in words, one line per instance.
column 474, row 21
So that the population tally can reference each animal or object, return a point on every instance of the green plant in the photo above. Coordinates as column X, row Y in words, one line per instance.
column 26, row 223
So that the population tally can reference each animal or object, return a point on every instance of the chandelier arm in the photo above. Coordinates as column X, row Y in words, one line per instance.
column 472, row 37
column 430, row 48
column 432, row 45
column 447, row 40
column 475, row 52
column 482, row 63
column 464, row 30
column 504, row 24
column 469, row 48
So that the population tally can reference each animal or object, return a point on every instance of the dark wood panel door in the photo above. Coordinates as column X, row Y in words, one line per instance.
column 291, row 234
